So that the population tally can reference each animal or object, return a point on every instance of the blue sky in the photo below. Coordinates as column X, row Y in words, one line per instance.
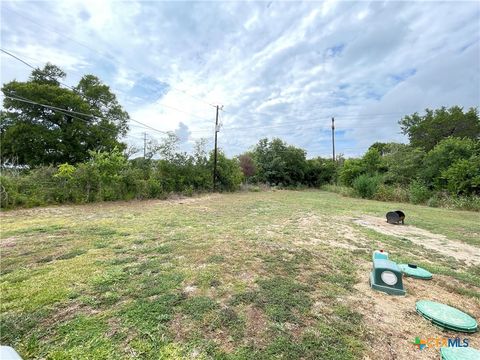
column 280, row 69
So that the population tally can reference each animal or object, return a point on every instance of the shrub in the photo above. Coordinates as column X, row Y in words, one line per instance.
column 366, row 186
column 391, row 193
column 471, row 203
column 440, row 158
column 351, row 169
column 463, row 177
column 418, row 193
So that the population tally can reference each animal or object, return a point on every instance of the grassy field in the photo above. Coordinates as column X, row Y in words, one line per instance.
column 279, row 274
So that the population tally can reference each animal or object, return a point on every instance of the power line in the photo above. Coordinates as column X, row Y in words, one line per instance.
column 35, row 68
column 25, row 100
column 182, row 111
column 105, row 55
column 66, row 112
column 296, row 122
column 75, row 90
column 310, row 126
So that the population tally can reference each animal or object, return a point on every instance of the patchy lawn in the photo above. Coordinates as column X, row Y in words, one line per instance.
column 266, row 275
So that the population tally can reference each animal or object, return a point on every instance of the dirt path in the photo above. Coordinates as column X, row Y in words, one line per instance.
column 440, row 243
column 392, row 323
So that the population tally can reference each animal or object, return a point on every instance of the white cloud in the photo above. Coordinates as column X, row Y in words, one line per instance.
column 281, row 68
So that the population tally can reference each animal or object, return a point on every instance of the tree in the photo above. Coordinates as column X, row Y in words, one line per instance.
column 428, row 130
column 463, row 176
column 279, row 163
column 229, row 174
column 247, row 165
column 319, row 171
column 403, row 163
column 372, row 161
column 351, row 169
column 36, row 135
column 445, row 153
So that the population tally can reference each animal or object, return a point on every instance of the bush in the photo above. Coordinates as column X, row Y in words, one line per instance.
column 440, row 158
column 351, row 169
column 366, row 186
column 463, row 177
column 391, row 193
column 418, row 193
column 471, row 203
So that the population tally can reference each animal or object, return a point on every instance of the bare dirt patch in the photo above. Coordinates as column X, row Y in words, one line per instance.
column 330, row 231
column 392, row 323
column 440, row 243
column 8, row 242
column 180, row 199
column 256, row 325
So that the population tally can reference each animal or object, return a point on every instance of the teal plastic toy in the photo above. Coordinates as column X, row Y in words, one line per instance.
column 386, row 276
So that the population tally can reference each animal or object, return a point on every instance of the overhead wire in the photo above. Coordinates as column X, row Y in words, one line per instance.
column 75, row 90
column 271, row 126
column 34, row 68
column 67, row 112
column 107, row 56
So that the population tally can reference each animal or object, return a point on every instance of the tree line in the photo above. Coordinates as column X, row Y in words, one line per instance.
column 64, row 156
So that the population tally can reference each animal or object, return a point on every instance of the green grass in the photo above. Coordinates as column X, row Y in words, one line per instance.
column 232, row 276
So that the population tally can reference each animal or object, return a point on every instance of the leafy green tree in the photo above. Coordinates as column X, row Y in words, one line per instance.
column 366, row 185
column 372, row 161
column 463, row 176
column 36, row 135
column 319, row 171
column 229, row 172
column 279, row 163
column 351, row 169
column 439, row 159
column 428, row 130
column 402, row 163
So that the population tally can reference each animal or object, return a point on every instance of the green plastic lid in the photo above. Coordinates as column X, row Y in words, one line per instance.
column 415, row 271
column 459, row 353
column 446, row 316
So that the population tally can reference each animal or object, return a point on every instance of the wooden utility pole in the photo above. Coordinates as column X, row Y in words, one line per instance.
column 333, row 139
column 144, row 145
column 215, row 154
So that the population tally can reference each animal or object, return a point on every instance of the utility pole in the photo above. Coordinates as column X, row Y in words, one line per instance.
column 333, row 139
column 144, row 145
column 215, row 154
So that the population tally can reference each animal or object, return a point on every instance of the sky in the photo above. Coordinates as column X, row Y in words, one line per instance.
column 279, row 69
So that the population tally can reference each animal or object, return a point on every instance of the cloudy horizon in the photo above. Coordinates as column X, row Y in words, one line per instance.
column 279, row 69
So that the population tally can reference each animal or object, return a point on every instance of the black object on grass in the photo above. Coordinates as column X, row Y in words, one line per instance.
column 394, row 217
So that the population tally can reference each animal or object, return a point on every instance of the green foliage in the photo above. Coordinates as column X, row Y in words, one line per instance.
column 33, row 135
column 351, row 169
column 371, row 161
column 279, row 163
column 430, row 129
column 402, row 163
column 229, row 173
column 463, row 176
column 319, row 172
column 110, row 176
column 366, row 185
column 418, row 193
column 65, row 171
column 440, row 158
column 395, row 193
